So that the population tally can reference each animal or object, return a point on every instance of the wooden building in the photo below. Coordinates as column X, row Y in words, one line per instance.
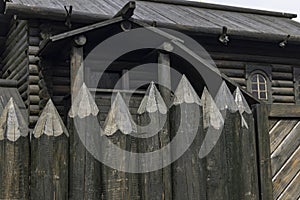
column 43, row 44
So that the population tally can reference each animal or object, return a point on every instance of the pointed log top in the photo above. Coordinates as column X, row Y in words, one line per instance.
column 152, row 101
column 211, row 113
column 83, row 104
column 185, row 93
column 119, row 118
column 224, row 99
column 12, row 123
column 50, row 123
column 241, row 102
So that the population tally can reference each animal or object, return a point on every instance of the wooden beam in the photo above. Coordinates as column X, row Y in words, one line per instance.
column 261, row 116
column 77, row 71
column 285, row 111
column 127, row 11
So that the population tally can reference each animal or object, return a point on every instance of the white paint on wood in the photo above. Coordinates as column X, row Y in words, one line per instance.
column 83, row 104
column 152, row 101
column 12, row 123
column 119, row 118
column 212, row 116
column 50, row 123
column 185, row 93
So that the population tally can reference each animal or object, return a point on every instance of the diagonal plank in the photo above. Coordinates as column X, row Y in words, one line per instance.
column 286, row 174
column 273, row 123
column 285, row 149
column 292, row 191
column 280, row 131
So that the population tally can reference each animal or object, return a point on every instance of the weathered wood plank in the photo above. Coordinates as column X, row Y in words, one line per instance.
column 285, row 149
column 49, row 157
column 283, row 111
column 280, row 131
column 261, row 114
column 286, row 174
column 292, row 191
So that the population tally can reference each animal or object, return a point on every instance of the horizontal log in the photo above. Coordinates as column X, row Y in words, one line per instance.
column 32, row 120
column 283, row 91
column 16, row 67
column 43, row 103
column 61, row 90
column 282, row 76
column 34, row 41
column 240, row 81
column 33, row 89
column 33, row 50
column 33, row 31
column 282, row 83
column 61, row 73
column 254, row 58
column 34, row 99
column 229, row 64
column 282, row 68
column 61, row 81
column 283, row 99
column 238, row 73
column 8, row 83
column 282, row 111
column 23, row 79
column 33, row 69
column 34, row 109
column 42, row 83
column 44, row 94
column 33, row 79
column 33, row 59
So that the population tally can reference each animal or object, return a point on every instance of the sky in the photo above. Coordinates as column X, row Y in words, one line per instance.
column 289, row 6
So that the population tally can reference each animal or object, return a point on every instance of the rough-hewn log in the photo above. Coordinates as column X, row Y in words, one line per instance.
column 49, row 156
column 152, row 117
column 85, row 170
column 189, row 171
column 247, row 147
column 261, row 114
column 164, row 79
column 117, row 127
column 212, row 149
column 14, row 155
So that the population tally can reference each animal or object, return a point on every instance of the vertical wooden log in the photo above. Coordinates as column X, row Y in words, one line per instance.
column 186, row 118
column 164, row 79
column 261, row 117
column 77, row 71
column 49, row 156
column 85, row 170
column 231, row 131
column 213, row 148
column 119, row 185
column 152, row 117
column 14, row 155
column 249, row 173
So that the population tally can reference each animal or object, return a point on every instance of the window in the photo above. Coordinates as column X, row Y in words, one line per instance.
column 259, row 86
column 259, row 81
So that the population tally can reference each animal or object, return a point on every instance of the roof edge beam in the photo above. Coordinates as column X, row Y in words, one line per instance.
column 127, row 11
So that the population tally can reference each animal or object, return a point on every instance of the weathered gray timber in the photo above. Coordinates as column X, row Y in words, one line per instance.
column 247, row 149
column 85, row 170
column 152, row 117
column 164, row 79
column 119, row 185
column 49, row 157
column 261, row 114
column 231, row 138
column 14, row 153
column 213, row 148
column 188, row 172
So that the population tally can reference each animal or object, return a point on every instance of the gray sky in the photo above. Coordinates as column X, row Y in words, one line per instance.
column 290, row 6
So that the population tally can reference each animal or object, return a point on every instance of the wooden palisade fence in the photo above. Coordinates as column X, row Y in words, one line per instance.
column 222, row 162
